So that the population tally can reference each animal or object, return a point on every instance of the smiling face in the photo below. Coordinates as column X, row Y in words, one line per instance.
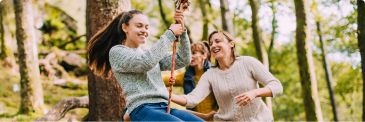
column 136, row 30
column 220, row 46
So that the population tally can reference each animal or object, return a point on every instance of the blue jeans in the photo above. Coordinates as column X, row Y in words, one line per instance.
column 157, row 112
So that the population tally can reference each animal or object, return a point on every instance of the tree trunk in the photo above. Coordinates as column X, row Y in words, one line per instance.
column 31, row 85
column 328, row 72
column 258, row 41
column 306, row 67
column 203, row 9
column 105, row 96
column 227, row 23
column 3, row 49
column 274, row 25
column 6, row 53
column 361, row 40
column 2, row 39
column 163, row 14
column 257, row 34
column 326, row 65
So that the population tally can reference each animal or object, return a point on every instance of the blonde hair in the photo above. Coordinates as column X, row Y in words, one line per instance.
column 229, row 37
column 200, row 47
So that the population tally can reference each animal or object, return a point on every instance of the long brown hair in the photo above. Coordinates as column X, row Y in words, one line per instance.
column 100, row 44
column 229, row 37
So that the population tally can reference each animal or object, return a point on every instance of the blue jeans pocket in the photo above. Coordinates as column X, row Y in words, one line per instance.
column 138, row 113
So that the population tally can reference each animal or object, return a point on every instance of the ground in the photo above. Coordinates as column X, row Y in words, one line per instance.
column 10, row 97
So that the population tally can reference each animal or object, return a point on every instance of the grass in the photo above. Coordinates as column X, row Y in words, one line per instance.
column 10, row 99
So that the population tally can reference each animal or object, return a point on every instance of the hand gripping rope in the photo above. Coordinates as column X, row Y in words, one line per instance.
column 180, row 5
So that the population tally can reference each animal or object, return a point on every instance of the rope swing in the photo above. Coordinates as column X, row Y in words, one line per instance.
column 180, row 5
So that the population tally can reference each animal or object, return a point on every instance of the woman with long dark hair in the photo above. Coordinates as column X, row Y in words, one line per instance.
column 116, row 52
column 234, row 82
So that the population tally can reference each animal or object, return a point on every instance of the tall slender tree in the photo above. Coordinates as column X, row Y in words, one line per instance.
column 305, row 62
column 227, row 23
column 106, row 100
column 30, row 83
column 2, row 38
column 274, row 26
column 361, row 43
column 203, row 9
column 163, row 14
column 257, row 33
column 6, row 53
column 258, row 40
column 326, row 65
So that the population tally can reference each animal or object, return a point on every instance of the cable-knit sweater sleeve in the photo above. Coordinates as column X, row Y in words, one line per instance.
column 183, row 55
column 124, row 59
column 201, row 91
column 263, row 76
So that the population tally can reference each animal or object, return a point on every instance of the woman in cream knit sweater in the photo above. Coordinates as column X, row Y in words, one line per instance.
column 234, row 82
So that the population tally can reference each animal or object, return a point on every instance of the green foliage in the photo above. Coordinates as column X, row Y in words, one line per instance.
column 136, row 4
column 59, row 30
column 345, row 38
column 348, row 87
column 290, row 105
column 242, row 27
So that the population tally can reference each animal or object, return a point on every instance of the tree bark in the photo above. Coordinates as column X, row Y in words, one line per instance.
column 163, row 14
column 2, row 38
column 325, row 64
column 328, row 72
column 274, row 26
column 65, row 105
column 257, row 34
column 227, row 23
column 361, row 43
column 31, row 85
column 306, row 67
column 203, row 9
column 106, row 98
column 7, row 54
column 258, row 41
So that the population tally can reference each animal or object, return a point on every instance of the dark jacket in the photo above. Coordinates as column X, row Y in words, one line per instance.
column 189, row 76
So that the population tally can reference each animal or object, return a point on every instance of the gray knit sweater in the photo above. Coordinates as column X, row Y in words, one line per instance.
column 139, row 71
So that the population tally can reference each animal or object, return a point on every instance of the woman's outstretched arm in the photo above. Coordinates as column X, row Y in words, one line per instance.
column 125, row 59
column 272, row 86
column 260, row 73
column 178, row 99
column 201, row 91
